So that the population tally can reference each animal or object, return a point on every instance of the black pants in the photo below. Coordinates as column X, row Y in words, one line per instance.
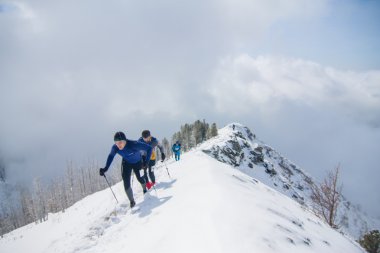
column 126, row 171
column 151, row 173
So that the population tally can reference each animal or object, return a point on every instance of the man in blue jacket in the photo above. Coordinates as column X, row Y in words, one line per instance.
column 176, row 148
column 130, row 151
column 153, row 142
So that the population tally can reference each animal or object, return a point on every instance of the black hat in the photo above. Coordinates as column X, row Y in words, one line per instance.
column 119, row 136
column 145, row 133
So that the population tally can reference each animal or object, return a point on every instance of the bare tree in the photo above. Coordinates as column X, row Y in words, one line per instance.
column 27, row 209
column 326, row 197
column 2, row 171
column 8, row 215
column 63, row 193
column 70, row 184
column 34, row 204
column 166, row 146
column 40, row 196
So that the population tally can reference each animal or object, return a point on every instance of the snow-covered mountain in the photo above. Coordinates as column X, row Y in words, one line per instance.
column 238, row 146
column 206, row 206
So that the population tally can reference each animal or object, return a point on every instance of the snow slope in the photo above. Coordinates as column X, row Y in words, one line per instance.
column 207, row 206
column 238, row 146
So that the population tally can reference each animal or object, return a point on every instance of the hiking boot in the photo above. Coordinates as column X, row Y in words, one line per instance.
column 133, row 203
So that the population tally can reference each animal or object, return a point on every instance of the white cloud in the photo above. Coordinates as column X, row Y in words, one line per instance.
column 72, row 72
column 244, row 84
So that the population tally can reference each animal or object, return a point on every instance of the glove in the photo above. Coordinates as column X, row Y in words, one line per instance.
column 162, row 157
column 102, row 171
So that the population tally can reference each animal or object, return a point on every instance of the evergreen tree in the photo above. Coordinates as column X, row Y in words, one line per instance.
column 208, row 134
column 371, row 241
column 205, row 130
column 214, row 130
column 188, row 140
column 197, row 132
column 191, row 135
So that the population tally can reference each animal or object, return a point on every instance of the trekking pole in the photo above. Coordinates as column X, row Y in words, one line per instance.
column 155, row 190
column 167, row 170
column 110, row 187
column 132, row 175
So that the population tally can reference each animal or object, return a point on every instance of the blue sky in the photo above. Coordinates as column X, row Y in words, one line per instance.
column 345, row 36
column 303, row 75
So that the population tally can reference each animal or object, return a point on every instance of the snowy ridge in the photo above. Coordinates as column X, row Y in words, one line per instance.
column 238, row 146
column 206, row 207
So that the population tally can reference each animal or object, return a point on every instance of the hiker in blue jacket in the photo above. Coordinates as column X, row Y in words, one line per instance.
column 176, row 148
column 130, row 151
column 153, row 142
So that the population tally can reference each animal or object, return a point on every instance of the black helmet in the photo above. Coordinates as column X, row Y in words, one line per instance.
column 145, row 133
column 119, row 136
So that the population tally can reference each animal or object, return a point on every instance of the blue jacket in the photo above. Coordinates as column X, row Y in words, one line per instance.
column 176, row 148
column 130, row 153
column 153, row 143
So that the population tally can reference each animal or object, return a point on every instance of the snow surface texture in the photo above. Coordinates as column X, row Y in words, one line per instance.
column 239, row 147
column 207, row 206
